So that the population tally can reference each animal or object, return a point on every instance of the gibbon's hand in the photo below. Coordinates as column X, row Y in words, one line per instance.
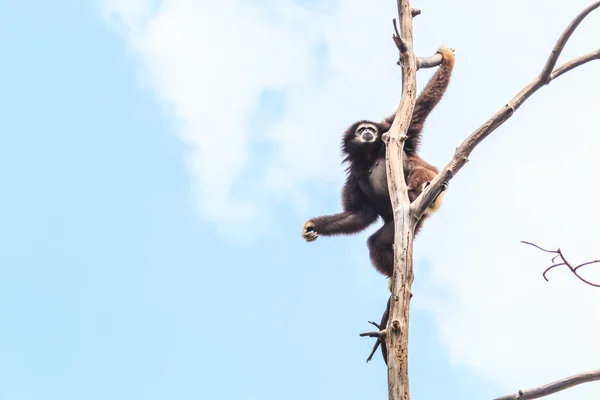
column 308, row 232
column 441, row 50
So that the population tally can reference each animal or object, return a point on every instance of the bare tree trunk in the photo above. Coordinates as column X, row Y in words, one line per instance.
column 402, row 279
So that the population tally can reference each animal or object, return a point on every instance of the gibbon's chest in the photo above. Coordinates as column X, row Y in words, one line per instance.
column 378, row 178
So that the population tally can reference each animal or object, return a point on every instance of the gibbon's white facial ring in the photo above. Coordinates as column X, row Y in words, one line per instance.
column 367, row 133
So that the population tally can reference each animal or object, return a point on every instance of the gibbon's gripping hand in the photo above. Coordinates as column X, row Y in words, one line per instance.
column 308, row 232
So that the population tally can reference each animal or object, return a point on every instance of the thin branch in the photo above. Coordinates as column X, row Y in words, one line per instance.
column 375, row 347
column 549, row 268
column 429, row 62
column 584, row 264
column 376, row 325
column 544, row 250
column 400, row 43
column 576, row 62
column 553, row 387
column 562, row 41
column 426, row 62
column 461, row 156
column 559, row 254
column 378, row 334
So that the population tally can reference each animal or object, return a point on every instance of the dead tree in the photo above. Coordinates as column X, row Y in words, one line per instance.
column 394, row 331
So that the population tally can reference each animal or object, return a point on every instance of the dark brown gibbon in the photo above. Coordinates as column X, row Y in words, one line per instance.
column 365, row 195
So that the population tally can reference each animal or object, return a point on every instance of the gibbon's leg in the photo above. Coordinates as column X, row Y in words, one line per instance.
column 417, row 180
column 381, row 249
column 420, row 224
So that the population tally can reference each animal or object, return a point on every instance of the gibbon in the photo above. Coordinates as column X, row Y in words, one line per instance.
column 365, row 195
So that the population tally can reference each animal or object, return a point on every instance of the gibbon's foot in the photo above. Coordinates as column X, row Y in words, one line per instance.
column 308, row 232
column 444, row 185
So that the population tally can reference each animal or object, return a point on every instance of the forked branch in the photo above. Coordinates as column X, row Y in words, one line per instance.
column 548, row 74
column 562, row 41
column 422, row 62
column 553, row 387
column 565, row 263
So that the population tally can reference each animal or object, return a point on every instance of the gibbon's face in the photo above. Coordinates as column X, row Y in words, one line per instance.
column 366, row 133
column 363, row 138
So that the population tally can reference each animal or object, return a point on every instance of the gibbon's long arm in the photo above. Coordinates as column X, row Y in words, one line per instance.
column 429, row 97
column 345, row 223
column 357, row 214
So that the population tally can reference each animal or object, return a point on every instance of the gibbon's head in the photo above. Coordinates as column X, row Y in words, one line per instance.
column 362, row 137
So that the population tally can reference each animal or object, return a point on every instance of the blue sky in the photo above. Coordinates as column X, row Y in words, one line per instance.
column 136, row 264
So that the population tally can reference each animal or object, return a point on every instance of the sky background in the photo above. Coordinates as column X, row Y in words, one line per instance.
column 159, row 158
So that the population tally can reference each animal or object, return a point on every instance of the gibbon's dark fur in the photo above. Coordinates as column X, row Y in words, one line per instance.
column 365, row 195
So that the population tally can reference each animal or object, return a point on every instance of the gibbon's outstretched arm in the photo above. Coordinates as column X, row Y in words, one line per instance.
column 357, row 215
column 429, row 97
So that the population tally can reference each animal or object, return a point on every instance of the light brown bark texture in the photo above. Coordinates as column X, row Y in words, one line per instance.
column 397, row 337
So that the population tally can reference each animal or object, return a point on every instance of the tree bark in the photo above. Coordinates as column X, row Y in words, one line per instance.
column 397, row 335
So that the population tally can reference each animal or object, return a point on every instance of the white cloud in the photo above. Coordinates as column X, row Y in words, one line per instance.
column 210, row 62
column 533, row 179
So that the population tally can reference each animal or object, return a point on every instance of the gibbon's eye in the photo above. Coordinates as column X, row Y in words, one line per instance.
column 367, row 129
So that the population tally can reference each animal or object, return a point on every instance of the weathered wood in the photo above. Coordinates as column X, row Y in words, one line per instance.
column 397, row 334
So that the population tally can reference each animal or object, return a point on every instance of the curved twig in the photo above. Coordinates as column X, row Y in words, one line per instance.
column 400, row 42
column 587, row 263
column 574, row 63
column 547, row 251
column 550, row 267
